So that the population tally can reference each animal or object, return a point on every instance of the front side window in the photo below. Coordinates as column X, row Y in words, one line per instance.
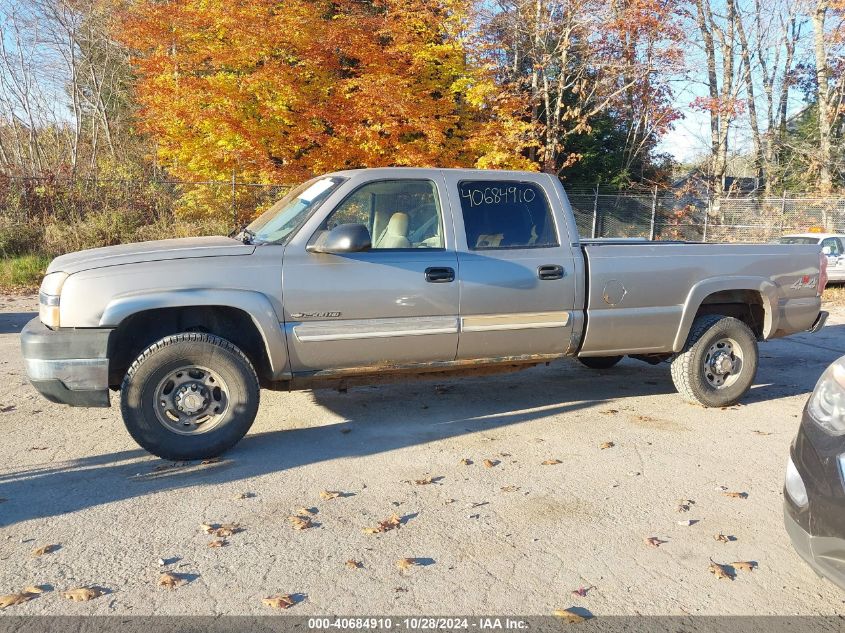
column 834, row 245
column 398, row 214
column 278, row 223
column 501, row 214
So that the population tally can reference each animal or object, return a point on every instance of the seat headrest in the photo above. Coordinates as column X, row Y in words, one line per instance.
column 398, row 224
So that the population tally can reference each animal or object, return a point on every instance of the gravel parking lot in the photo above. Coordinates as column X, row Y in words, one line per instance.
column 515, row 536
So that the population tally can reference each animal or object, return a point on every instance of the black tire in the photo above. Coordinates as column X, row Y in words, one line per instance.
column 599, row 362
column 693, row 373
column 141, row 392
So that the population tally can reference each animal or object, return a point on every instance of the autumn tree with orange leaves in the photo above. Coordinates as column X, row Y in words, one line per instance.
column 280, row 91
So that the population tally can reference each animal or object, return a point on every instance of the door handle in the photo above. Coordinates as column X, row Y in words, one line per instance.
column 550, row 271
column 439, row 275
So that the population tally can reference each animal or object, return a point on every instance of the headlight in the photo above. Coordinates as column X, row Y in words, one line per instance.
column 827, row 404
column 48, row 298
column 795, row 485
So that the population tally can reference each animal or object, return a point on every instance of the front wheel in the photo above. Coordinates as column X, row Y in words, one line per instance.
column 718, row 363
column 189, row 396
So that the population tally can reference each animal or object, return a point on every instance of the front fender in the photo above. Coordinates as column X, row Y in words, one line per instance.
column 256, row 304
column 700, row 291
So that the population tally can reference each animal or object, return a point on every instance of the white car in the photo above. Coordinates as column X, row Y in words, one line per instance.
column 833, row 245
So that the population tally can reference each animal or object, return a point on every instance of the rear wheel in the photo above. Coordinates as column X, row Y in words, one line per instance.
column 189, row 396
column 599, row 362
column 718, row 363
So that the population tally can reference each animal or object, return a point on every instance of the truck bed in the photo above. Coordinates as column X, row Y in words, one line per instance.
column 641, row 296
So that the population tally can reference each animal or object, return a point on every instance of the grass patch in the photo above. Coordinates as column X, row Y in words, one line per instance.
column 23, row 273
column 834, row 295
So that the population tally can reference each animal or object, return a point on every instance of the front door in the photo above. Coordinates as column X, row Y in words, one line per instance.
column 835, row 258
column 517, row 272
column 395, row 304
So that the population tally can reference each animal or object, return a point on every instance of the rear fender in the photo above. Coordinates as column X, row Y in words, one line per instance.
column 700, row 291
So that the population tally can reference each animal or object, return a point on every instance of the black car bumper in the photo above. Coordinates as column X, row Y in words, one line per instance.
column 67, row 365
column 817, row 528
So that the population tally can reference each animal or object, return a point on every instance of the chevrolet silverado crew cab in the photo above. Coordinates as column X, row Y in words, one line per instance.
column 376, row 273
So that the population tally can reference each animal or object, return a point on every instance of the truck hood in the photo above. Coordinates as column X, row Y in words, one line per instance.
column 183, row 248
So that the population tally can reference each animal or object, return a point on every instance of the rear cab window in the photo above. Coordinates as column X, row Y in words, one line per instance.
column 506, row 214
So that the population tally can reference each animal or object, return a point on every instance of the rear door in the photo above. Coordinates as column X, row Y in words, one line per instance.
column 516, row 265
column 395, row 304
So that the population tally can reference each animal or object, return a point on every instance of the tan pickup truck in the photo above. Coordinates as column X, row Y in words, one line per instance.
column 385, row 273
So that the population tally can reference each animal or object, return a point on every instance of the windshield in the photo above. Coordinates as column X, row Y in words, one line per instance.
column 799, row 240
column 281, row 220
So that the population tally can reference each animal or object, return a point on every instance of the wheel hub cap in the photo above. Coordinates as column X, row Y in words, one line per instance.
column 191, row 400
column 723, row 363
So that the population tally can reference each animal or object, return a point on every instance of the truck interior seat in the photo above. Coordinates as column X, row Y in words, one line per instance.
column 395, row 235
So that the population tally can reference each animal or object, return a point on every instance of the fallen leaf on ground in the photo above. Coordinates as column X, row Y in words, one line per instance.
column 329, row 494
column 306, row 511
column 45, row 549
column 12, row 599
column 227, row 529
column 354, row 564
column 406, row 563
column 426, row 481
column 569, row 615
column 466, row 462
column 218, row 543
column 34, row 589
column 654, row 541
column 724, row 538
column 82, row 594
column 581, row 591
column 279, row 601
column 744, row 565
column 605, row 445
column 207, row 528
column 300, row 522
column 551, row 462
column 721, row 571
column 170, row 580
column 394, row 522
column 736, row 495
column 489, row 463
column 684, row 505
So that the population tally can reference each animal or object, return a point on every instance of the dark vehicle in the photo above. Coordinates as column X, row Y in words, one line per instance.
column 814, row 492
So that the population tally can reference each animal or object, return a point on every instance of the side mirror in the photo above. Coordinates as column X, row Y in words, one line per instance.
column 344, row 238
column 826, row 250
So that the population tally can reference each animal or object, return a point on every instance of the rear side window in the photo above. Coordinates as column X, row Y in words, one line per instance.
column 506, row 214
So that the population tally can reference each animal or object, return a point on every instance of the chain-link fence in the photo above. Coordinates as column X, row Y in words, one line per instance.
column 63, row 214
column 664, row 215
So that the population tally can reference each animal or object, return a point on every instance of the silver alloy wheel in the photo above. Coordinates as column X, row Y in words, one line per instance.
column 723, row 363
column 191, row 400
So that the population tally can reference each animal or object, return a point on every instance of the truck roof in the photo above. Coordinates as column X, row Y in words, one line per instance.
column 420, row 171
